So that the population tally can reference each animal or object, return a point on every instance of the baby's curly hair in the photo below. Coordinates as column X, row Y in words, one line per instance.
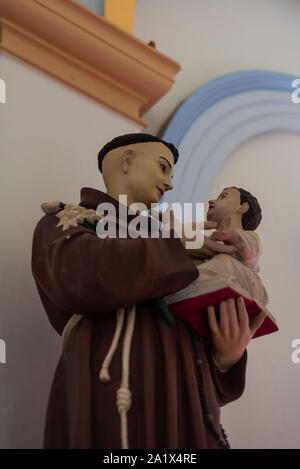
column 252, row 218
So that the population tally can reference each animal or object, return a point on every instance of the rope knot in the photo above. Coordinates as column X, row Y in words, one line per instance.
column 123, row 399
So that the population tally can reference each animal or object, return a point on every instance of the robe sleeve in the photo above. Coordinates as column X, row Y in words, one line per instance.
column 84, row 274
column 230, row 385
column 249, row 249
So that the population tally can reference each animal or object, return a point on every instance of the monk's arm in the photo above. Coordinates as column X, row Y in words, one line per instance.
column 230, row 385
column 84, row 274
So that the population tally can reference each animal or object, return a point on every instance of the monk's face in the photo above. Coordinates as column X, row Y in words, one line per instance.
column 150, row 172
column 227, row 204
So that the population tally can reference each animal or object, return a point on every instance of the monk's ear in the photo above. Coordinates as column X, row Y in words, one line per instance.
column 127, row 158
column 244, row 208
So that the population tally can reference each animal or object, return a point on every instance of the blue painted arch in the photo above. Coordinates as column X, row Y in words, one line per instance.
column 221, row 115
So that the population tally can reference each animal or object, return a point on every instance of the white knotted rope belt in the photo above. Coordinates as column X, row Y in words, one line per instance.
column 123, row 393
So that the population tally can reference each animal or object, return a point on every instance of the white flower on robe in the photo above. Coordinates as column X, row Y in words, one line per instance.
column 71, row 215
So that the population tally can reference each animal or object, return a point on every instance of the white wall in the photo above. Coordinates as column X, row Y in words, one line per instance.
column 50, row 138
column 210, row 38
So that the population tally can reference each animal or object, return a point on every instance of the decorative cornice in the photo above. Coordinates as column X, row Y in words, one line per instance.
column 82, row 49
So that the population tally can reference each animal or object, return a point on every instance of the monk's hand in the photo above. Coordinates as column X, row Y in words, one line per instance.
column 218, row 247
column 233, row 333
column 171, row 222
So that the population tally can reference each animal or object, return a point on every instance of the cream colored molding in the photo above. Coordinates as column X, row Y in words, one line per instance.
column 85, row 51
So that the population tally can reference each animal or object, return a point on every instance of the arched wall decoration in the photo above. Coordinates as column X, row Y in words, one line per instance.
column 221, row 115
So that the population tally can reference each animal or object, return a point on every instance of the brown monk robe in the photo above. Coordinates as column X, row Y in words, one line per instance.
column 77, row 272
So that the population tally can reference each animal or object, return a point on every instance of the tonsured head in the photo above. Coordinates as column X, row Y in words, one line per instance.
column 139, row 165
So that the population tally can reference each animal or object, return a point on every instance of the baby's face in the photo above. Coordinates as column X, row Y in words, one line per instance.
column 227, row 204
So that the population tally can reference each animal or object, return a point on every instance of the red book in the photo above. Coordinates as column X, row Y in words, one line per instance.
column 193, row 307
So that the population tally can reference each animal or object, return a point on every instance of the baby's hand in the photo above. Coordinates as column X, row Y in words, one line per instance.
column 221, row 235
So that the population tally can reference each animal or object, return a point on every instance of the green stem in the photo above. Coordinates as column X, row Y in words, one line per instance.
column 166, row 313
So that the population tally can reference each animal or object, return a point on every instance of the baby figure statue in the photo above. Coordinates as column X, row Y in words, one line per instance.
column 232, row 270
